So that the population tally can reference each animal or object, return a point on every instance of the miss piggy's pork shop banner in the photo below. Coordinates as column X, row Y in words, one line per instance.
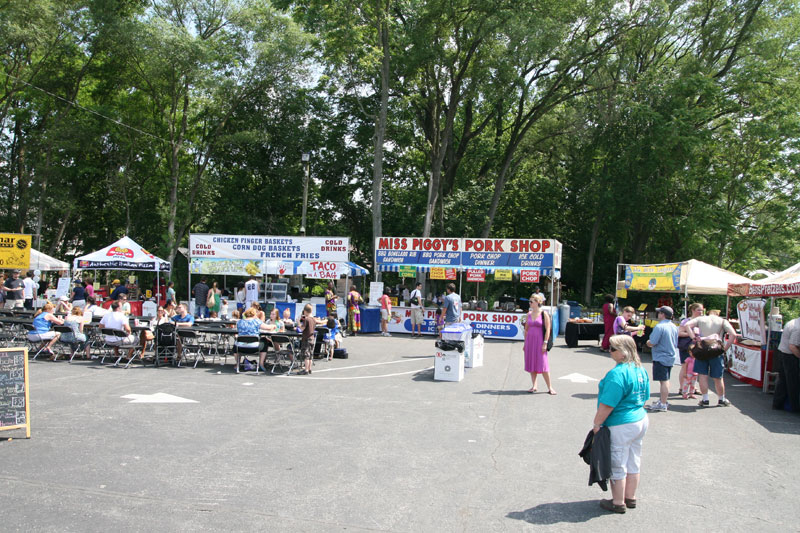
column 490, row 254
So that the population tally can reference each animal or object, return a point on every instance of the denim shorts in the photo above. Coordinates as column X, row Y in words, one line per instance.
column 660, row 372
column 711, row 368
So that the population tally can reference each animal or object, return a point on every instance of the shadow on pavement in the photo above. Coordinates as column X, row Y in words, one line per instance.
column 560, row 512
column 504, row 392
column 585, row 396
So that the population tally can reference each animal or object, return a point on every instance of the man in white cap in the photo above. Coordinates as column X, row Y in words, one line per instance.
column 663, row 343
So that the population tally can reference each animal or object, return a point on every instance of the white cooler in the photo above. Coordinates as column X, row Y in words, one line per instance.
column 460, row 331
column 448, row 366
column 474, row 357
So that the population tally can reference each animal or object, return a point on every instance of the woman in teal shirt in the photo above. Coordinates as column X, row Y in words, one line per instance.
column 620, row 407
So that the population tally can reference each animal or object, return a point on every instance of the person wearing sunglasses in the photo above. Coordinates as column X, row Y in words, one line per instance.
column 620, row 408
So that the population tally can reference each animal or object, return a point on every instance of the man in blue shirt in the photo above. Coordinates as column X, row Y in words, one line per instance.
column 664, row 346
column 452, row 305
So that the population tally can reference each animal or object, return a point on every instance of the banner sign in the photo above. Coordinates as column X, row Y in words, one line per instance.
column 322, row 269
column 523, row 253
column 535, row 254
column 15, row 251
column 746, row 363
column 225, row 267
column 408, row 272
column 751, row 320
column 257, row 247
column 529, row 276
column 777, row 290
column 437, row 273
column 653, row 277
column 375, row 292
column 503, row 275
column 490, row 324
column 476, row 275
column 418, row 251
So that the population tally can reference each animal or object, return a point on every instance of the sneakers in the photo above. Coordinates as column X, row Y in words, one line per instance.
column 386, row 334
column 703, row 403
column 724, row 402
column 657, row 406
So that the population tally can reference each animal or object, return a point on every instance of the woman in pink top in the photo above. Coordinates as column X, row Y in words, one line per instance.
column 609, row 314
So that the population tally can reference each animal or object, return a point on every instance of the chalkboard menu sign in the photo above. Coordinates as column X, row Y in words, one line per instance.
column 14, row 405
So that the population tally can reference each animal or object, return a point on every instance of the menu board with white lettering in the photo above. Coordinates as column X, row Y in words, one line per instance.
column 14, row 404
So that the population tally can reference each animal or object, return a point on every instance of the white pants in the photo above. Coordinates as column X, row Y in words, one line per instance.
column 626, row 448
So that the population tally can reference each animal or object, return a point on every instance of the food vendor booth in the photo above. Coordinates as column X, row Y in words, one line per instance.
column 124, row 254
column 750, row 361
column 261, row 255
column 450, row 258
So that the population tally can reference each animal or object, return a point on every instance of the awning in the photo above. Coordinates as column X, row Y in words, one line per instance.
column 555, row 273
column 125, row 254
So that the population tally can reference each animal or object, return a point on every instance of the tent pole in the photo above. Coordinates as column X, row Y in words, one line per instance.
column 766, row 352
column 616, row 285
column 686, row 300
column 552, row 288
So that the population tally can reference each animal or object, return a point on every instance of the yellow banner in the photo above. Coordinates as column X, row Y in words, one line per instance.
column 622, row 293
column 15, row 251
column 653, row 277
column 502, row 275
column 438, row 273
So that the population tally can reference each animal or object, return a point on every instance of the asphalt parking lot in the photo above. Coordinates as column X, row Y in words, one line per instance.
column 372, row 443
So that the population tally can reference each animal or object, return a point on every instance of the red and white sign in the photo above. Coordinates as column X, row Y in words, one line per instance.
column 322, row 269
column 476, row 275
column 119, row 251
column 529, row 276
column 751, row 320
column 746, row 363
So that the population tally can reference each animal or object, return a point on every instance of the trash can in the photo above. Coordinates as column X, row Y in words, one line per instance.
column 448, row 365
column 574, row 309
column 475, row 356
column 462, row 332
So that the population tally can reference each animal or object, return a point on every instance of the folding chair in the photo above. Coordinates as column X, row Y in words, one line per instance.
column 7, row 336
column 244, row 351
column 190, row 346
column 71, row 345
column 32, row 338
column 166, row 346
column 287, row 354
column 109, row 344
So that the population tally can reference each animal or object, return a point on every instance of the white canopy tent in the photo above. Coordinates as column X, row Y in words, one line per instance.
column 124, row 254
column 42, row 261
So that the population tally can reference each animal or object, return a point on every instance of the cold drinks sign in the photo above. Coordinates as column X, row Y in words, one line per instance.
column 524, row 254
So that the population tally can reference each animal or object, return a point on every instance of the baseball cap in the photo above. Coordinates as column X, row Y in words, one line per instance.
column 15, row 271
column 667, row 310
column 115, row 281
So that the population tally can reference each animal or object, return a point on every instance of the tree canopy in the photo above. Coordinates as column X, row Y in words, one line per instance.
column 629, row 131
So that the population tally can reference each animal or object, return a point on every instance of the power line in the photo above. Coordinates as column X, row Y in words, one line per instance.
column 76, row 104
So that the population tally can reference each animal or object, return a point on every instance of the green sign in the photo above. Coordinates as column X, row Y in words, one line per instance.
column 408, row 271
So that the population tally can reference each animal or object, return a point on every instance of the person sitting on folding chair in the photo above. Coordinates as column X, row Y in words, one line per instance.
column 117, row 320
column 251, row 326
column 43, row 332
column 75, row 322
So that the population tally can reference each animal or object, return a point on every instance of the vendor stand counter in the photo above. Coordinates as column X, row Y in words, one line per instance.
column 745, row 361
column 490, row 324
column 582, row 331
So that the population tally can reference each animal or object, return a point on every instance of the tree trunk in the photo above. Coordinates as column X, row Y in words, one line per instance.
column 587, row 290
column 380, row 134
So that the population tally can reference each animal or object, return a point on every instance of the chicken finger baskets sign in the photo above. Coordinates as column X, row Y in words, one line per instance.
column 14, row 404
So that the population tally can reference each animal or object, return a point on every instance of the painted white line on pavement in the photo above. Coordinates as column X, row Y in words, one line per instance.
column 359, row 377
column 373, row 364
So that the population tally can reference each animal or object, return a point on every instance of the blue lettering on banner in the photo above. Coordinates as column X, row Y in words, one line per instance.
column 488, row 329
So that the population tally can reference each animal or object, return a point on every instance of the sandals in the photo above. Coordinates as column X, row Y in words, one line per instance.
column 609, row 505
column 630, row 503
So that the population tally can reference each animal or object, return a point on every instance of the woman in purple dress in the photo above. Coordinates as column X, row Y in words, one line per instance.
column 537, row 331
